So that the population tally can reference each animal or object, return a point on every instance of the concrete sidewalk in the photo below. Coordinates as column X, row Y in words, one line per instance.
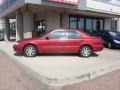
column 59, row 70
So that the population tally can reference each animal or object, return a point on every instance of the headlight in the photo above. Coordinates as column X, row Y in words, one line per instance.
column 16, row 43
column 116, row 41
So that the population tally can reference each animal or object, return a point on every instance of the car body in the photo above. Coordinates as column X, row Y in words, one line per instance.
column 60, row 41
column 111, row 39
column 1, row 36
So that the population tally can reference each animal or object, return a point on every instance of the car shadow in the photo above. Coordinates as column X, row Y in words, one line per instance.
column 58, row 54
column 66, row 54
column 18, row 54
column 94, row 55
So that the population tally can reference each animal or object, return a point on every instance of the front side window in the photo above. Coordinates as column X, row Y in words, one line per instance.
column 73, row 34
column 57, row 34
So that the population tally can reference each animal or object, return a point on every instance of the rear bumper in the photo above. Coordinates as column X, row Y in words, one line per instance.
column 97, row 48
column 18, row 48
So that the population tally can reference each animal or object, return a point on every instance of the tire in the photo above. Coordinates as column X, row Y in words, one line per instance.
column 85, row 51
column 109, row 45
column 30, row 51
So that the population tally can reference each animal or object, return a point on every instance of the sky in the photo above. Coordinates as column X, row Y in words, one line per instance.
column 1, row 1
column 117, row 2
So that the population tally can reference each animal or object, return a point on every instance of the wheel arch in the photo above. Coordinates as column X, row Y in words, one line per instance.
column 87, row 45
column 31, row 44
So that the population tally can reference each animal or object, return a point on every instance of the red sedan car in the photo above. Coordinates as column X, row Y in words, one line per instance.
column 60, row 41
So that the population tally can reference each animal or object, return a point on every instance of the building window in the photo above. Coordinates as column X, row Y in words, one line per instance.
column 73, row 22
column 88, row 24
column 94, row 24
column 113, row 24
column 81, row 23
column 6, row 5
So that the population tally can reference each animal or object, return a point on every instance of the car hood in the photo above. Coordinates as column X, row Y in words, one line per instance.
column 117, row 38
column 30, row 39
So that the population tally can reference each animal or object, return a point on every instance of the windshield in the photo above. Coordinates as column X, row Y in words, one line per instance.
column 114, row 34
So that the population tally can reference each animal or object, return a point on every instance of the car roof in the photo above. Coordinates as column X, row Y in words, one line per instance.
column 63, row 30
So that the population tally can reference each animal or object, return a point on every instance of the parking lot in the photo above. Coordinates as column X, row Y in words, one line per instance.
column 66, row 69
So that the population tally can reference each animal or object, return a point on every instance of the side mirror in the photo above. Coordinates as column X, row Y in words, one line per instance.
column 47, row 37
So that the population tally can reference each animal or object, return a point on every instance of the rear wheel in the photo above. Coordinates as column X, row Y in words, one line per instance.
column 85, row 51
column 30, row 51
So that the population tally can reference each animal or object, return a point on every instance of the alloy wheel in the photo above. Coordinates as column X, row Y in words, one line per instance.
column 85, row 51
column 30, row 51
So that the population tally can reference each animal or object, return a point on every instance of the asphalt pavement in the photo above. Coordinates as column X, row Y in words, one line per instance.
column 13, row 77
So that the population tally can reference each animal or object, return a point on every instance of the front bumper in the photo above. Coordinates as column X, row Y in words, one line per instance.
column 18, row 48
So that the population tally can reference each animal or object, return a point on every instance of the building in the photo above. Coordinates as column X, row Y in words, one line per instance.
column 43, row 15
column 1, row 25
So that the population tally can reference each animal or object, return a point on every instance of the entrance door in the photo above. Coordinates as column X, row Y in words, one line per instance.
column 40, row 28
column 98, row 25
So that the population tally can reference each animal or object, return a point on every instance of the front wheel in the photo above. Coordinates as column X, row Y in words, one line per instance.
column 109, row 45
column 30, row 51
column 85, row 51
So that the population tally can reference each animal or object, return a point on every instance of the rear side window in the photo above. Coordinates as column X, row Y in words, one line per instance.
column 57, row 34
column 73, row 34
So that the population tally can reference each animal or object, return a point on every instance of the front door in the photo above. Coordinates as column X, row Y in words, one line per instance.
column 54, row 42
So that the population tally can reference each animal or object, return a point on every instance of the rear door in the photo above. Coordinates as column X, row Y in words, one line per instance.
column 72, row 42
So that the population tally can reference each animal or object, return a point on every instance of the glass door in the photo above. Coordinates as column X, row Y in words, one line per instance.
column 39, row 28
